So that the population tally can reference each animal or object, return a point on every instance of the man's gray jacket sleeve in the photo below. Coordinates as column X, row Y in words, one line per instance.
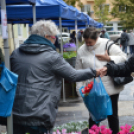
column 65, row 70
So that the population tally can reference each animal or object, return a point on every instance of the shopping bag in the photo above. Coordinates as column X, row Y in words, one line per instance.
column 8, row 84
column 97, row 102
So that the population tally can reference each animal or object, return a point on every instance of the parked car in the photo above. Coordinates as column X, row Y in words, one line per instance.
column 115, row 36
column 65, row 37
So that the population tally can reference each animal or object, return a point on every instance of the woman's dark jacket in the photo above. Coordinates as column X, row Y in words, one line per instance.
column 124, row 39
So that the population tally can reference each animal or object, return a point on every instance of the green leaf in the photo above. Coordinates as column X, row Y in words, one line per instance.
column 126, row 10
column 72, row 126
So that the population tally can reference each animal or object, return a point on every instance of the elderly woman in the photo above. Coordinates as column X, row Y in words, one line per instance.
column 93, row 55
column 40, row 69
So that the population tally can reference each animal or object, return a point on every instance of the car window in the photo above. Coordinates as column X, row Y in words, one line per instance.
column 114, row 33
column 110, row 33
column 64, row 35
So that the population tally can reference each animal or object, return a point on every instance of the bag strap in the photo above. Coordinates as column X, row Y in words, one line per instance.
column 107, row 43
column 109, row 46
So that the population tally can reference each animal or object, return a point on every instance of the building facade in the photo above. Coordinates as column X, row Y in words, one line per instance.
column 113, row 25
column 16, row 36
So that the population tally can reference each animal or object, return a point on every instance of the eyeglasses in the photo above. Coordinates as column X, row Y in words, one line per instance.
column 53, row 37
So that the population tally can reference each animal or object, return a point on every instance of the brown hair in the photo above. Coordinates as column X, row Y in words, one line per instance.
column 91, row 33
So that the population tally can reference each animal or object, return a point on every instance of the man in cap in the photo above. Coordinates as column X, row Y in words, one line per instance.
column 104, row 34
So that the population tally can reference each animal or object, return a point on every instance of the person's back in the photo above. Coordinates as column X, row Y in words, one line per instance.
column 131, row 38
column 124, row 40
column 131, row 41
column 72, row 36
column 33, row 65
column 79, row 36
column 106, row 35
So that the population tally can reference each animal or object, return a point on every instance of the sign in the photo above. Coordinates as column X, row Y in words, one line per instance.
column 4, row 24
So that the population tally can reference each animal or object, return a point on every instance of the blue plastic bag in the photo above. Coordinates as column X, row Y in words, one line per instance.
column 97, row 102
column 8, row 84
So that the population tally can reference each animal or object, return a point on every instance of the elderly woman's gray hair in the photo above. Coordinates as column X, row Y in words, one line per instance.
column 45, row 27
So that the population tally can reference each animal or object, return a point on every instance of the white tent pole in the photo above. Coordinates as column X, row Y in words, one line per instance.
column 34, row 13
column 76, row 35
column 6, row 49
column 61, row 47
column 60, row 26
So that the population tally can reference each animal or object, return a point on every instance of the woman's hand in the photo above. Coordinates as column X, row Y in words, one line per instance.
column 103, row 71
column 98, row 73
column 104, row 57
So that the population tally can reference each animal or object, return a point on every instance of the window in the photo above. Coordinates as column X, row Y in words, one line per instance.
column 110, row 33
column 86, row 8
column 109, row 29
column 118, row 32
column 119, row 24
column 106, row 7
column 110, row 24
column 120, row 28
column 64, row 35
column 122, row 8
column 19, row 30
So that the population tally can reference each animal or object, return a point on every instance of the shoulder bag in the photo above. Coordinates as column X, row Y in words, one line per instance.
column 118, row 81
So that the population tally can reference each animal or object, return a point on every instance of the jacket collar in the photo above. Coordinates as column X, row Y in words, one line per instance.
column 36, row 39
column 36, row 44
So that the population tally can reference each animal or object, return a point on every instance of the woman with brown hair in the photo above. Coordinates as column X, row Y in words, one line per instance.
column 93, row 54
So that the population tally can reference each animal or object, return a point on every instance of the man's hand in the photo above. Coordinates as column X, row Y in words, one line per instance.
column 103, row 71
column 104, row 57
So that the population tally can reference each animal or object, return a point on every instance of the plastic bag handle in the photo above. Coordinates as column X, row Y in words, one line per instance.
column 99, row 79
column 81, row 91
